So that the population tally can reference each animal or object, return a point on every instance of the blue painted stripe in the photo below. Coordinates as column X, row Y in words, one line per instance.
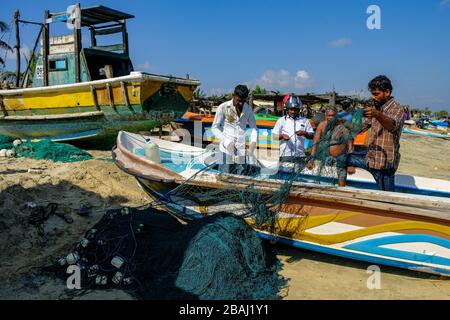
column 427, row 134
column 374, row 246
column 355, row 256
column 309, row 246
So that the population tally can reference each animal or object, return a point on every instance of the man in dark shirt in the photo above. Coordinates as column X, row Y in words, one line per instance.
column 385, row 118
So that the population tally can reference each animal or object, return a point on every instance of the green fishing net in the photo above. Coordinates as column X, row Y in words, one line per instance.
column 46, row 150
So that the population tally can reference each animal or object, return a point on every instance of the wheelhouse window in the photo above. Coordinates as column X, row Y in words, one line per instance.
column 58, row 65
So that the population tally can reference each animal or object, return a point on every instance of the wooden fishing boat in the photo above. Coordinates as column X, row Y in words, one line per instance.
column 395, row 229
column 77, row 93
column 264, row 122
column 427, row 133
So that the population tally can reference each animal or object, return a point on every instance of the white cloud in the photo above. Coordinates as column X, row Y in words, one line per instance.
column 218, row 91
column 282, row 80
column 144, row 66
column 339, row 43
column 444, row 3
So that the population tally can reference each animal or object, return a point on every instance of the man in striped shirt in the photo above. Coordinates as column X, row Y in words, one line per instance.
column 385, row 118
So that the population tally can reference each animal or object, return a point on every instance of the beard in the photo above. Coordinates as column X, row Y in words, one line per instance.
column 379, row 104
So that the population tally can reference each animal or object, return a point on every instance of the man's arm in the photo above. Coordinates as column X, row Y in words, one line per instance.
column 386, row 121
column 317, row 137
column 277, row 131
column 217, row 125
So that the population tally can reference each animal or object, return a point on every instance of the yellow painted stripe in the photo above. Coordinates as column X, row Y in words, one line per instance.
column 149, row 88
column 187, row 92
column 286, row 228
column 71, row 99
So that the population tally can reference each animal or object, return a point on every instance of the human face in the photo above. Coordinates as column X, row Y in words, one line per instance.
column 293, row 112
column 380, row 97
column 330, row 115
column 238, row 102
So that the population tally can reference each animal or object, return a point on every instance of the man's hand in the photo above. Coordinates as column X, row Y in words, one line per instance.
column 232, row 147
column 371, row 112
column 284, row 136
column 300, row 133
column 351, row 170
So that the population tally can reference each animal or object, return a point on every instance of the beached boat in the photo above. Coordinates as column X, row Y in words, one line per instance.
column 427, row 133
column 76, row 93
column 264, row 122
column 395, row 229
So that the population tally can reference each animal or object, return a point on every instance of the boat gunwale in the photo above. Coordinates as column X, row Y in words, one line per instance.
column 134, row 76
column 78, row 115
column 305, row 192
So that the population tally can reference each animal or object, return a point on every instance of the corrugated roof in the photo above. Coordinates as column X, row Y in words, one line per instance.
column 100, row 14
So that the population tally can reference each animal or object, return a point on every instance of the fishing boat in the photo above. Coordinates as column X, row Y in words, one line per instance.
column 427, row 133
column 77, row 93
column 264, row 122
column 410, row 231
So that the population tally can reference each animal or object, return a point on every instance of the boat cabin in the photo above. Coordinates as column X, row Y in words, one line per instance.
column 63, row 60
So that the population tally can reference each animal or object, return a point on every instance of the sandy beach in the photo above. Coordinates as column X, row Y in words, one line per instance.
column 97, row 185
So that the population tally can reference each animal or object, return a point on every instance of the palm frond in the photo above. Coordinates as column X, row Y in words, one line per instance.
column 3, row 26
column 2, row 62
column 4, row 45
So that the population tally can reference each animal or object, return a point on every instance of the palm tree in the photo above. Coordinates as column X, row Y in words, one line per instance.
column 3, row 44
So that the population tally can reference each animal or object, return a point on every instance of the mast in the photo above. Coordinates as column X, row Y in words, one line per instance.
column 77, row 41
column 16, row 22
column 45, row 46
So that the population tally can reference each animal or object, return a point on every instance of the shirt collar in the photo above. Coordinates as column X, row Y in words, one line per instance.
column 387, row 104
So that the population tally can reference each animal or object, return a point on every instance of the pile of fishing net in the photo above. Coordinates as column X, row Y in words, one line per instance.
column 151, row 255
column 44, row 150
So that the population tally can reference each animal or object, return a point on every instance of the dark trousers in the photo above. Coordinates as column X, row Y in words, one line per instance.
column 385, row 178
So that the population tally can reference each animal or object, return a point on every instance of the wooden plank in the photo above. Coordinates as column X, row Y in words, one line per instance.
column 94, row 97
column 77, row 47
column 110, row 96
column 125, row 96
column 125, row 38
column 103, row 32
column 93, row 39
column 374, row 195
column 57, row 116
column 16, row 22
column 2, row 106
column 114, row 47
column 329, row 201
column 46, row 47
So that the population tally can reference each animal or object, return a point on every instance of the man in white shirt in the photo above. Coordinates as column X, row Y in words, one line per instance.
column 230, row 122
column 292, row 130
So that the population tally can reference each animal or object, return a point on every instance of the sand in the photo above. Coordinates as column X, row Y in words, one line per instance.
column 99, row 185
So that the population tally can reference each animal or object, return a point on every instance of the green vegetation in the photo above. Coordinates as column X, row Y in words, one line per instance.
column 259, row 90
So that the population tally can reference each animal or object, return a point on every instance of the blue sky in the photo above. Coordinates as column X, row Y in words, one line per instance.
column 300, row 46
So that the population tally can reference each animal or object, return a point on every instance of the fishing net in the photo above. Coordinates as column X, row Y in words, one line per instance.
column 6, row 142
column 264, row 202
column 45, row 150
column 151, row 255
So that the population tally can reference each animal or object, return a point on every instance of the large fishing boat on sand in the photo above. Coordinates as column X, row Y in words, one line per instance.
column 70, row 92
